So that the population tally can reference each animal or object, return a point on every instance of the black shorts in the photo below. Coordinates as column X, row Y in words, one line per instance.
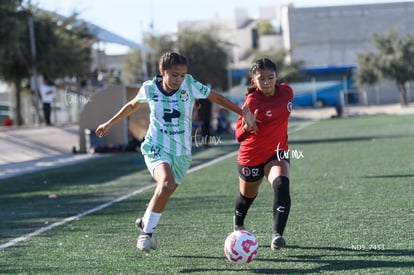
column 254, row 173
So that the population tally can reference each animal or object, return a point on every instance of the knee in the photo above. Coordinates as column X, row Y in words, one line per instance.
column 166, row 187
column 281, row 191
column 281, row 183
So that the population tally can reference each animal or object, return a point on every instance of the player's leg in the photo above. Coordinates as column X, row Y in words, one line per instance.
column 277, row 172
column 248, row 193
column 167, row 177
column 166, row 186
column 250, row 179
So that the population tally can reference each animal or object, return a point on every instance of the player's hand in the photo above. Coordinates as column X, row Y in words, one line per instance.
column 102, row 130
column 250, row 119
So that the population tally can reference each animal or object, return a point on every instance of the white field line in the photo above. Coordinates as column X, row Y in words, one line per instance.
column 73, row 218
column 122, row 198
column 102, row 206
column 303, row 125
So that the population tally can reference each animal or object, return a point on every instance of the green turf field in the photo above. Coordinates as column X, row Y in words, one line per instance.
column 352, row 210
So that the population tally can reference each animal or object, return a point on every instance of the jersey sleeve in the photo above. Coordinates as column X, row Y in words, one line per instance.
column 240, row 133
column 142, row 95
column 289, row 90
column 198, row 89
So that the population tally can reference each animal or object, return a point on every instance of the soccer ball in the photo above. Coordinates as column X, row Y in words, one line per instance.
column 241, row 247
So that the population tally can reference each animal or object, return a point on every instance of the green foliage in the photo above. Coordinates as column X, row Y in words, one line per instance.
column 161, row 44
column 393, row 59
column 207, row 56
column 15, row 56
column 397, row 56
column 132, row 71
column 266, row 27
column 368, row 72
column 63, row 46
column 132, row 67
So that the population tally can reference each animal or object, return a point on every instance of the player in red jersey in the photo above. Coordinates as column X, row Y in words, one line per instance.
column 265, row 153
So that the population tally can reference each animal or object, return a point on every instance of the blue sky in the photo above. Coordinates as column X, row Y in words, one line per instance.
column 129, row 18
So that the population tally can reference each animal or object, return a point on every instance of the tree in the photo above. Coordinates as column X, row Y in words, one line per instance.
column 14, row 54
column 393, row 59
column 132, row 64
column 62, row 46
column 266, row 28
column 207, row 56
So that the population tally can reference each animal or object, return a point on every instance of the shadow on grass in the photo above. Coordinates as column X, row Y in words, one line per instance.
column 324, row 261
column 97, row 171
column 40, row 211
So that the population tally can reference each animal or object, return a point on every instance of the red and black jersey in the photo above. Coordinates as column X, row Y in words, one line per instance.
column 274, row 112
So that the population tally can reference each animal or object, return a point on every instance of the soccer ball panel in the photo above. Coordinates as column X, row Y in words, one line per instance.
column 240, row 247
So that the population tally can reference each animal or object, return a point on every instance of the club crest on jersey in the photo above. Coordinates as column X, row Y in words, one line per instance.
column 289, row 106
column 184, row 96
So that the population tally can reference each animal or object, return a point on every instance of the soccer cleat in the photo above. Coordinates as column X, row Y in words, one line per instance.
column 144, row 242
column 141, row 241
column 278, row 242
column 238, row 227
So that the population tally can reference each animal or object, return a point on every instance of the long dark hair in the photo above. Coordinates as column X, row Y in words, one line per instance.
column 260, row 64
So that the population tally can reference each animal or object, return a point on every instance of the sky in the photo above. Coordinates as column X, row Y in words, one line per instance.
column 130, row 18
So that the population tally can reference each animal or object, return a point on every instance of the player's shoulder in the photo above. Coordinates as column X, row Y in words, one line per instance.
column 151, row 83
column 284, row 87
column 255, row 95
column 154, row 81
column 190, row 78
column 146, row 84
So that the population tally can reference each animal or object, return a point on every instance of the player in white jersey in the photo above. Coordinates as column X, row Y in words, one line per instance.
column 170, row 127
column 167, row 144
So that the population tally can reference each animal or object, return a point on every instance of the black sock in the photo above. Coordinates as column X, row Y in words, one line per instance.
column 281, row 203
column 242, row 206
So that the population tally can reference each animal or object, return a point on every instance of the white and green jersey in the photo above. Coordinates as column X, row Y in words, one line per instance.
column 171, row 115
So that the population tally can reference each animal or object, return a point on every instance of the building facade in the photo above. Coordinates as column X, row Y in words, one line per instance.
column 319, row 36
column 335, row 35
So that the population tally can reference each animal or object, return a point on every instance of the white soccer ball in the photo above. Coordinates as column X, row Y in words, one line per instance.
column 241, row 247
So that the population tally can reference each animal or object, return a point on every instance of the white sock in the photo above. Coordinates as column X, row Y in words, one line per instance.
column 150, row 221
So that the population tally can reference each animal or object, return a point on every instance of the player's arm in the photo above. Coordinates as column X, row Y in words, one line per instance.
column 129, row 108
column 242, row 130
column 248, row 117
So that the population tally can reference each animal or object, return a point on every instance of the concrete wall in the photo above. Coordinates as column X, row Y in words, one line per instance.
column 334, row 35
column 102, row 106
